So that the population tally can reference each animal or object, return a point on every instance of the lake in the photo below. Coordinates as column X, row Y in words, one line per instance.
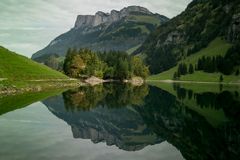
column 120, row 121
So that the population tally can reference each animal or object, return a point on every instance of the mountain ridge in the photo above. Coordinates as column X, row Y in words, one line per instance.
column 118, row 30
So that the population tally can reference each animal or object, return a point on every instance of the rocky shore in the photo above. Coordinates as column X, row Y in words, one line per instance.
column 136, row 81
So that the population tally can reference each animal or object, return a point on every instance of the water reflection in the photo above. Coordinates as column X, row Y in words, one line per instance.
column 106, row 113
column 107, row 95
column 226, row 100
column 188, row 130
column 201, row 125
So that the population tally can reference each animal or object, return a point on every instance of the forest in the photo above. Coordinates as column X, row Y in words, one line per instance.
column 84, row 63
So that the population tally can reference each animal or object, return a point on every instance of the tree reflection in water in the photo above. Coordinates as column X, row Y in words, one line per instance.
column 134, row 117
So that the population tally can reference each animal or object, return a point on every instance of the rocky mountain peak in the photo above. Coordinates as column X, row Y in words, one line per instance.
column 118, row 30
column 108, row 18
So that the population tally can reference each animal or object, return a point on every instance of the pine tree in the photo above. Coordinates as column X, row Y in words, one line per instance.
column 237, row 72
column 199, row 64
column 179, row 70
column 175, row 76
column 191, row 69
column 196, row 68
column 221, row 78
column 184, row 69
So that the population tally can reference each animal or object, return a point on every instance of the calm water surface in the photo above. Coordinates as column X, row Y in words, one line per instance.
column 115, row 121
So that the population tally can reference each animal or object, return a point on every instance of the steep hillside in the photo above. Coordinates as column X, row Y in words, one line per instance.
column 191, row 31
column 215, row 48
column 119, row 30
column 16, row 67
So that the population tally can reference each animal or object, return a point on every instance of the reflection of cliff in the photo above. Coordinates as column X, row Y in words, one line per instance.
column 105, row 114
column 122, row 127
column 132, row 118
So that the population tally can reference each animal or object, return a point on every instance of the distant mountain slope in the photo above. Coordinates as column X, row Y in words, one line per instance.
column 119, row 30
column 191, row 31
column 17, row 67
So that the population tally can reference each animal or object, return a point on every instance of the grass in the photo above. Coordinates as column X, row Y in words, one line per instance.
column 210, row 77
column 131, row 50
column 145, row 19
column 17, row 67
column 216, row 47
column 143, row 28
column 34, row 85
column 197, row 88
column 19, row 74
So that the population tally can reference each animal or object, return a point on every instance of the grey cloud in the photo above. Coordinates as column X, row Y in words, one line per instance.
column 37, row 22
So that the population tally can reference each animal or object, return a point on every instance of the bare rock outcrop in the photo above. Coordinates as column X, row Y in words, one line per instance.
column 107, row 18
column 234, row 29
column 93, row 81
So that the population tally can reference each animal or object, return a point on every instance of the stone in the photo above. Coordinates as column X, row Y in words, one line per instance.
column 174, row 37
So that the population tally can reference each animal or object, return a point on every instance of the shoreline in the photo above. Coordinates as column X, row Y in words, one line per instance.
column 41, row 85
column 34, row 86
column 136, row 81
column 52, row 84
column 193, row 82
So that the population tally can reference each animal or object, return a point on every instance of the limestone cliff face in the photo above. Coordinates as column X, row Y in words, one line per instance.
column 107, row 18
column 118, row 30
column 84, row 20
column 234, row 28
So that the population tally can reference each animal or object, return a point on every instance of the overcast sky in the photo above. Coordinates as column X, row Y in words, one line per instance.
column 27, row 26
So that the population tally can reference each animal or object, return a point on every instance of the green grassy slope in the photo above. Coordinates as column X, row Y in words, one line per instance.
column 145, row 19
column 16, row 67
column 216, row 47
column 131, row 50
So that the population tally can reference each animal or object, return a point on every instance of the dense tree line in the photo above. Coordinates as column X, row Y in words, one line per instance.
column 221, row 64
column 107, row 65
column 183, row 69
column 226, row 65
column 160, row 59
column 233, row 56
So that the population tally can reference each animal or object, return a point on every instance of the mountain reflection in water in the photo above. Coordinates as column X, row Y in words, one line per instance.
column 201, row 125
